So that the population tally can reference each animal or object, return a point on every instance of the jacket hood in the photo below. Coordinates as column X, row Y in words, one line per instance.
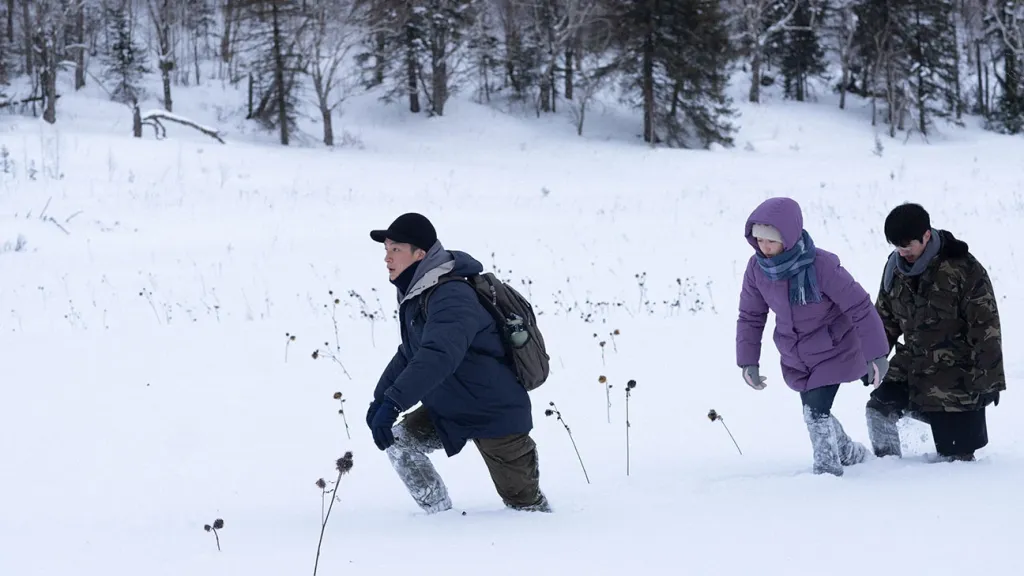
column 437, row 263
column 952, row 247
column 782, row 213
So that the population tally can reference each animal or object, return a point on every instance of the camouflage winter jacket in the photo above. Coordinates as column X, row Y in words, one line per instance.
column 952, row 357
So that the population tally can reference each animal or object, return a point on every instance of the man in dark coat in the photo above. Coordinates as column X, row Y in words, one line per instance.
column 937, row 296
column 452, row 361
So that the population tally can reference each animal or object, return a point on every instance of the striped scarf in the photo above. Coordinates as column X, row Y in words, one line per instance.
column 797, row 266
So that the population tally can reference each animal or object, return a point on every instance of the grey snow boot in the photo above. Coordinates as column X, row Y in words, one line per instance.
column 850, row 452
column 882, row 430
column 825, row 444
column 409, row 458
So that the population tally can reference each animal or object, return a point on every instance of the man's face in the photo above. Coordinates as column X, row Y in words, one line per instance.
column 398, row 256
column 911, row 252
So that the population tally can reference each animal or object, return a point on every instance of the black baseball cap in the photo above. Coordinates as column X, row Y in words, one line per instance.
column 410, row 228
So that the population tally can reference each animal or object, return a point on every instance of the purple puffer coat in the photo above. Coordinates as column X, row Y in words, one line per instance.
column 820, row 343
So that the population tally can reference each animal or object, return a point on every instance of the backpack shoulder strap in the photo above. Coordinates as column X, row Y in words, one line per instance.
column 425, row 296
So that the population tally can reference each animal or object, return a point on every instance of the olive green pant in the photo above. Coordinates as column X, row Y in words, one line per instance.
column 511, row 460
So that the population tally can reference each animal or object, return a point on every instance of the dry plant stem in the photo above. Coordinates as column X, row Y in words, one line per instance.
column 571, row 439
column 344, row 419
column 338, row 362
column 323, row 525
column 334, row 319
column 585, row 475
column 722, row 420
column 217, row 538
column 608, row 397
column 627, row 431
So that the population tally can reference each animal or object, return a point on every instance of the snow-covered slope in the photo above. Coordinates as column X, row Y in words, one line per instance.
column 149, row 290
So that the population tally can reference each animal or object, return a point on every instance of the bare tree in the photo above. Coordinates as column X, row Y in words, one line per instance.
column 162, row 15
column 50, row 20
column 842, row 27
column 332, row 33
column 587, row 83
column 558, row 24
column 1007, row 18
column 78, row 47
column 756, row 24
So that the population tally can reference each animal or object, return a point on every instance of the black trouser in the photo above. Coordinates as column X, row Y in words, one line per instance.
column 819, row 401
column 955, row 433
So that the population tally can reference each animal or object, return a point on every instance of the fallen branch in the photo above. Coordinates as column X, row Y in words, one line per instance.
column 153, row 118
column 28, row 100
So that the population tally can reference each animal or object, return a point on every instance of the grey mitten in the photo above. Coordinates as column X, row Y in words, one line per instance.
column 876, row 371
column 752, row 376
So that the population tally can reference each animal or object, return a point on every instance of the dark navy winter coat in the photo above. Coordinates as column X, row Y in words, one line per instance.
column 453, row 360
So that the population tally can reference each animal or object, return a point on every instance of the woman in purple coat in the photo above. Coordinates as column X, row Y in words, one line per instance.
column 826, row 328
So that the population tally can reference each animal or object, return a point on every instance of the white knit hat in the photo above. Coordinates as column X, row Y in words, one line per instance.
column 766, row 232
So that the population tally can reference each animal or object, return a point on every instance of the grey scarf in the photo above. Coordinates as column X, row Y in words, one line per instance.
column 898, row 263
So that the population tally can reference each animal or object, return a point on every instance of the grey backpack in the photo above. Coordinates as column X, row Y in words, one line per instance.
column 517, row 325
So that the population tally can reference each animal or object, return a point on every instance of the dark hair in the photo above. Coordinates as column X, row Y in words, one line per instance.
column 906, row 223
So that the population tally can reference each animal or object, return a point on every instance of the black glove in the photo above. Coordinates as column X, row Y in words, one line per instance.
column 382, row 422
column 369, row 413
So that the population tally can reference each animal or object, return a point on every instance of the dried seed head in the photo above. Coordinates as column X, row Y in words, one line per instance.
column 218, row 524
column 712, row 415
column 549, row 412
column 616, row 332
column 292, row 337
column 344, row 464
column 316, row 354
column 602, row 379
column 631, row 384
column 337, row 301
column 337, row 395
column 321, row 484
column 601, row 343
column 206, row 527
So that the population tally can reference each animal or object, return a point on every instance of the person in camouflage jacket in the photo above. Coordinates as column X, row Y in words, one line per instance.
column 939, row 297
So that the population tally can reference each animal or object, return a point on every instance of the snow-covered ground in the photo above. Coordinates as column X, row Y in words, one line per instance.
column 148, row 290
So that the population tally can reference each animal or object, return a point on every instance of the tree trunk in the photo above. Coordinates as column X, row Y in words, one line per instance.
column 755, row 75
column 80, row 50
column 439, row 83
column 569, row 65
column 225, row 39
column 26, row 14
column 136, row 120
column 411, row 70
column 49, row 78
column 956, row 70
column 195, row 58
column 648, row 87
column 282, row 101
column 328, row 125
column 165, row 73
column 981, row 93
column 380, row 59
column 10, row 21
column 166, row 61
